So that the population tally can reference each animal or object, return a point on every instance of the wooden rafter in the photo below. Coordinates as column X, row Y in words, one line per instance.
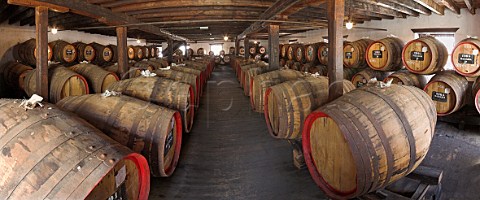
column 391, row 6
column 431, row 5
column 377, row 9
column 470, row 6
column 412, row 5
column 451, row 5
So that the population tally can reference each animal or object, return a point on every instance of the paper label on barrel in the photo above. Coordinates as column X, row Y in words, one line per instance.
column 325, row 53
column 359, row 84
column 377, row 54
column 106, row 53
column 466, row 59
column 348, row 55
column 168, row 143
column 69, row 52
column 416, row 55
column 120, row 194
column 439, row 96
column 89, row 52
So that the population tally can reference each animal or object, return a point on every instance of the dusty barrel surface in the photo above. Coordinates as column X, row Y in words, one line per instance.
column 289, row 103
column 425, row 55
column 114, row 49
column 62, row 83
column 13, row 74
column 261, row 82
column 404, row 77
column 385, row 54
column 361, row 78
column 51, row 154
column 252, row 72
column 191, row 70
column 146, row 128
column 300, row 54
column 98, row 79
column 103, row 54
column 311, row 53
column 465, row 57
column 448, row 91
column 85, row 52
column 25, row 52
column 476, row 93
column 355, row 53
column 132, row 71
column 161, row 91
column 183, row 77
column 367, row 139
column 63, row 52
column 322, row 53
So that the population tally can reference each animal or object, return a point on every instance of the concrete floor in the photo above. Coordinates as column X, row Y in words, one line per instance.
column 230, row 155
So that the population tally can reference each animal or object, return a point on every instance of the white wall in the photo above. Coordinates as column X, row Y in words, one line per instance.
column 469, row 26
column 206, row 46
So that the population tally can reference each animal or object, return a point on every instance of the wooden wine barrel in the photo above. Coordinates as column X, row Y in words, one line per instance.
column 191, row 70
column 385, row 54
column 284, row 51
column 122, row 118
column 448, row 91
column 103, row 54
column 63, row 52
column 313, row 69
column 155, row 65
column 252, row 72
column 163, row 92
column 200, row 52
column 300, row 54
column 361, row 78
column 114, row 49
column 311, row 53
column 13, row 75
column 183, row 77
column 354, row 53
column 222, row 52
column 289, row 103
column 153, row 50
column 476, row 93
column 231, row 51
column 132, row 71
column 62, row 83
column 261, row 82
column 465, row 57
column 425, row 55
column 190, row 52
column 291, row 51
column 98, row 79
column 63, row 157
column 145, row 65
column 323, row 53
column 404, row 77
column 245, row 78
column 210, row 53
column 217, row 60
column 367, row 139
column 26, row 52
column 227, row 59
column 262, row 50
column 241, row 51
column 85, row 52
column 348, row 73
column 146, row 52
column 252, row 50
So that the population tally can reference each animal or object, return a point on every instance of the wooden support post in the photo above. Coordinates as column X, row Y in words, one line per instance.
column 41, row 33
column 246, row 44
column 335, row 14
column 237, row 46
column 185, row 45
column 273, row 44
column 122, row 50
column 170, row 51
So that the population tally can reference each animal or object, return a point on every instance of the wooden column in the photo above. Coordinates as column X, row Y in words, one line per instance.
column 237, row 46
column 122, row 50
column 170, row 51
column 246, row 42
column 335, row 15
column 41, row 33
column 273, row 44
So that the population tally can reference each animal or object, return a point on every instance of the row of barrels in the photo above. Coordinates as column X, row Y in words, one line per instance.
column 66, row 157
column 72, row 53
column 425, row 55
column 202, row 52
column 341, row 151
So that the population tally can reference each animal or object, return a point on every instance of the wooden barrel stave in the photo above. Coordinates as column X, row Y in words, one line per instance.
column 98, row 78
column 404, row 77
column 85, row 52
column 355, row 53
column 351, row 133
column 143, row 127
column 183, row 77
column 163, row 92
column 61, row 156
column 385, row 54
column 361, row 78
column 448, row 90
column 425, row 55
column 465, row 57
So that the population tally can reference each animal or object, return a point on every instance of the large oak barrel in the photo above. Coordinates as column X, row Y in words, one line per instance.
column 300, row 54
column 161, row 91
column 465, row 57
column 85, row 52
column 153, row 131
column 200, row 51
column 183, row 77
column 348, row 73
column 367, row 139
column 13, row 75
column 448, row 91
column 63, row 52
column 154, row 64
column 145, row 66
column 51, row 154
column 313, row 69
column 114, row 49
column 190, row 52
column 323, row 53
column 241, row 51
column 193, row 71
column 146, row 52
column 476, row 93
column 289, row 103
column 252, row 72
column 135, row 53
column 98, row 79
column 252, row 50
column 231, row 51
column 243, row 76
column 425, row 55
column 405, row 77
column 132, row 71
column 385, row 54
column 284, row 51
column 26, row 52
column 361, row 78
column 355, row 53
column 62, row 83
column 261, row 82
column 292, row 50
column 262, row 50
column 311, row 53
column 103, row 54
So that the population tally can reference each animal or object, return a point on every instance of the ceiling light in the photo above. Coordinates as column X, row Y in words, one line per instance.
column 138, row 41
column 203, row 27
column 225, row 38
column 255, row 42
column 349, row 25
column 54, row 31
column 212, row 38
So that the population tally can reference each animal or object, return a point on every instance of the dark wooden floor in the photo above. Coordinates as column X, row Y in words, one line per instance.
column 229, row 154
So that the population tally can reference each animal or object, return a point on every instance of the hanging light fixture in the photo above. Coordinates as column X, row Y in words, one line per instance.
column 54, row 30
column 225, row 38
column 138, row 41
column 349, row 25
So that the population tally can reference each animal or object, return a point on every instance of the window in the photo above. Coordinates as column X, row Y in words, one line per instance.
column 161, row 50
column 216, row 48
column 182, row 48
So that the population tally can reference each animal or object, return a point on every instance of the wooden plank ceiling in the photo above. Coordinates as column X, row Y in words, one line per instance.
column 189, row 18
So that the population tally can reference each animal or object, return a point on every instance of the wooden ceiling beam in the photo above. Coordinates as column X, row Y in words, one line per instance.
column 21, row 13
column 302, row 5
column 278, row 7
column 103, row 15
column 376, row 9
column 451, row 5
column 195, row 14
column 196, row 8
column 391, row 6
column 200, row 17
column 470, row 6
column 432, row 5
column 412, row 5
column 192, row 3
